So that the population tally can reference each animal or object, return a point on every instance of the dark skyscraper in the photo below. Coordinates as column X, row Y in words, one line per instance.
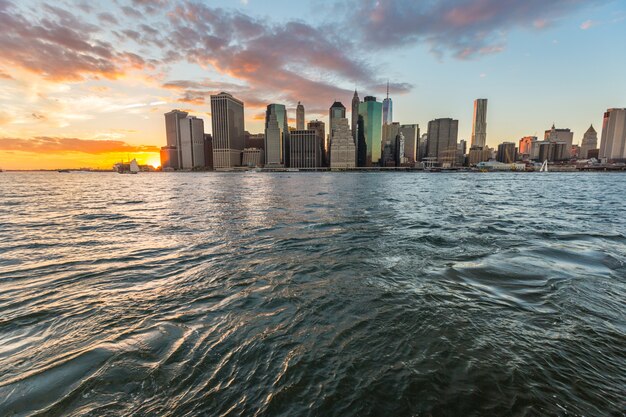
column 276, row 134
column 355, row 115
column 228, row 130
column 370, row 132
column 300, row 117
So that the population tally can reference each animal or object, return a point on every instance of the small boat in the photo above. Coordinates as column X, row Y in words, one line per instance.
column 64, row 171
column 544, row 166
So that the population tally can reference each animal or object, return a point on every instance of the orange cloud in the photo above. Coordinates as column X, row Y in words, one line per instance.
column 44, row 144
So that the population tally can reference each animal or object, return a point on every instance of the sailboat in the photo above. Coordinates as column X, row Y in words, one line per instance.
column 544, row 166
column 133, row 167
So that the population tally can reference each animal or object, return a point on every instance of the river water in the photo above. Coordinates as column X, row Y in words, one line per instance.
column 318, row 294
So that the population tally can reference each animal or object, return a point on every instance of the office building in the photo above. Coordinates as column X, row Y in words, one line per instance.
column 613, row 143
column 305, row 149
column 355, row 115
column 300, row 117
column 506, row 153
column 477, row 155
column 208, row 151
column 172, row 133
column 253, row 157
column 228, row 130
column 422, row 147
column 442, row 141
column 560, row 135
column 400, row 158
column 254, row 140
column 411, row 135
column 369, row 126
column 387, row 109
column 320, row 131
column 479, row 125
column 276, row 135
column 526, row 145
column 191, row 143
column 169, row 158
column 590, row 141
column 343, row 152
column 461, row 150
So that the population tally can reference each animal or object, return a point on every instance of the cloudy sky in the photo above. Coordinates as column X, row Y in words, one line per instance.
column 86, row 83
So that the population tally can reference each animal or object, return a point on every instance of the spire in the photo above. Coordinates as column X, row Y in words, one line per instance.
column 387, row 89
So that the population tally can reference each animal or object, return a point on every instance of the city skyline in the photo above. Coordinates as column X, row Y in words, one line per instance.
column 87, row 85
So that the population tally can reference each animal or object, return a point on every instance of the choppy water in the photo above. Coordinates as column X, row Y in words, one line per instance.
column 365, row 294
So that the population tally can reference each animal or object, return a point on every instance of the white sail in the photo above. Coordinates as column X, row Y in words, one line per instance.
column 134, row 167
column 544, row 166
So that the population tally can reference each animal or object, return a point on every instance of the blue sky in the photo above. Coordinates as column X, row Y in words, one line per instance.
column 107, row 72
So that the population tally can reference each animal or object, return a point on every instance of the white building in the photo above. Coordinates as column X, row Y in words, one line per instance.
column 343, row 149
column 589, row 142
column 252, row 157
column 613, row 145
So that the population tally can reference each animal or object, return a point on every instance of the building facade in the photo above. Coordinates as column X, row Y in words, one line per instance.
column 506, row 153
column 253, row 157
column 300, row 117
column 191, row 143
column 208, row 151
column 370, row 132
column 559, row 135
column 228, row 130
column 479, row 125
column 173, row 138
column 526, row 145
column 411, row 135
column 590, row 141
column 276, row 135
column 305, row 149
column 343, row 152
column 387, row 109
column 613, row 142
column 355, row 115
column 442, row 141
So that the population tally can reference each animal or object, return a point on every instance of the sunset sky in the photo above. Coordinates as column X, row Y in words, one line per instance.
column 85, row 84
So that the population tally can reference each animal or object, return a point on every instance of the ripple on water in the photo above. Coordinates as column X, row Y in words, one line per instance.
column 312, row 294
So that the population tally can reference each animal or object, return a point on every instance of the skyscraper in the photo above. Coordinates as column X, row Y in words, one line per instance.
column 526, row 145
column 276, row 134
column 343, row 152
column 228, row 130
column 191, row 143
column 305, row 149
column 442, row 141
column 479, row 127
column 590, row 141
column 411, row 135
column 387, row 109
column 171, row 155
column 355, row 115
column 506, row 152
column 337, row 111
column 559, row 135
column 300, row 117
column 320, row 131
column 369, row 132
column 613, row 144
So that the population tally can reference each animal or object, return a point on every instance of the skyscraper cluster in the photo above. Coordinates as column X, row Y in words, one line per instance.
column 369, row 138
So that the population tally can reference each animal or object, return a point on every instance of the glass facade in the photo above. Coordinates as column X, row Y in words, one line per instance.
column 281, row 117
column 370, row 132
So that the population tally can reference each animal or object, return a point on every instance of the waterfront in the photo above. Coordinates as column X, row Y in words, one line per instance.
column 332, row 294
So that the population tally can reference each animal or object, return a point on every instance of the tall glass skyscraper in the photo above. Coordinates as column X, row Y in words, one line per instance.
column 387, row 109
column 370, row 132
column 276, row 143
